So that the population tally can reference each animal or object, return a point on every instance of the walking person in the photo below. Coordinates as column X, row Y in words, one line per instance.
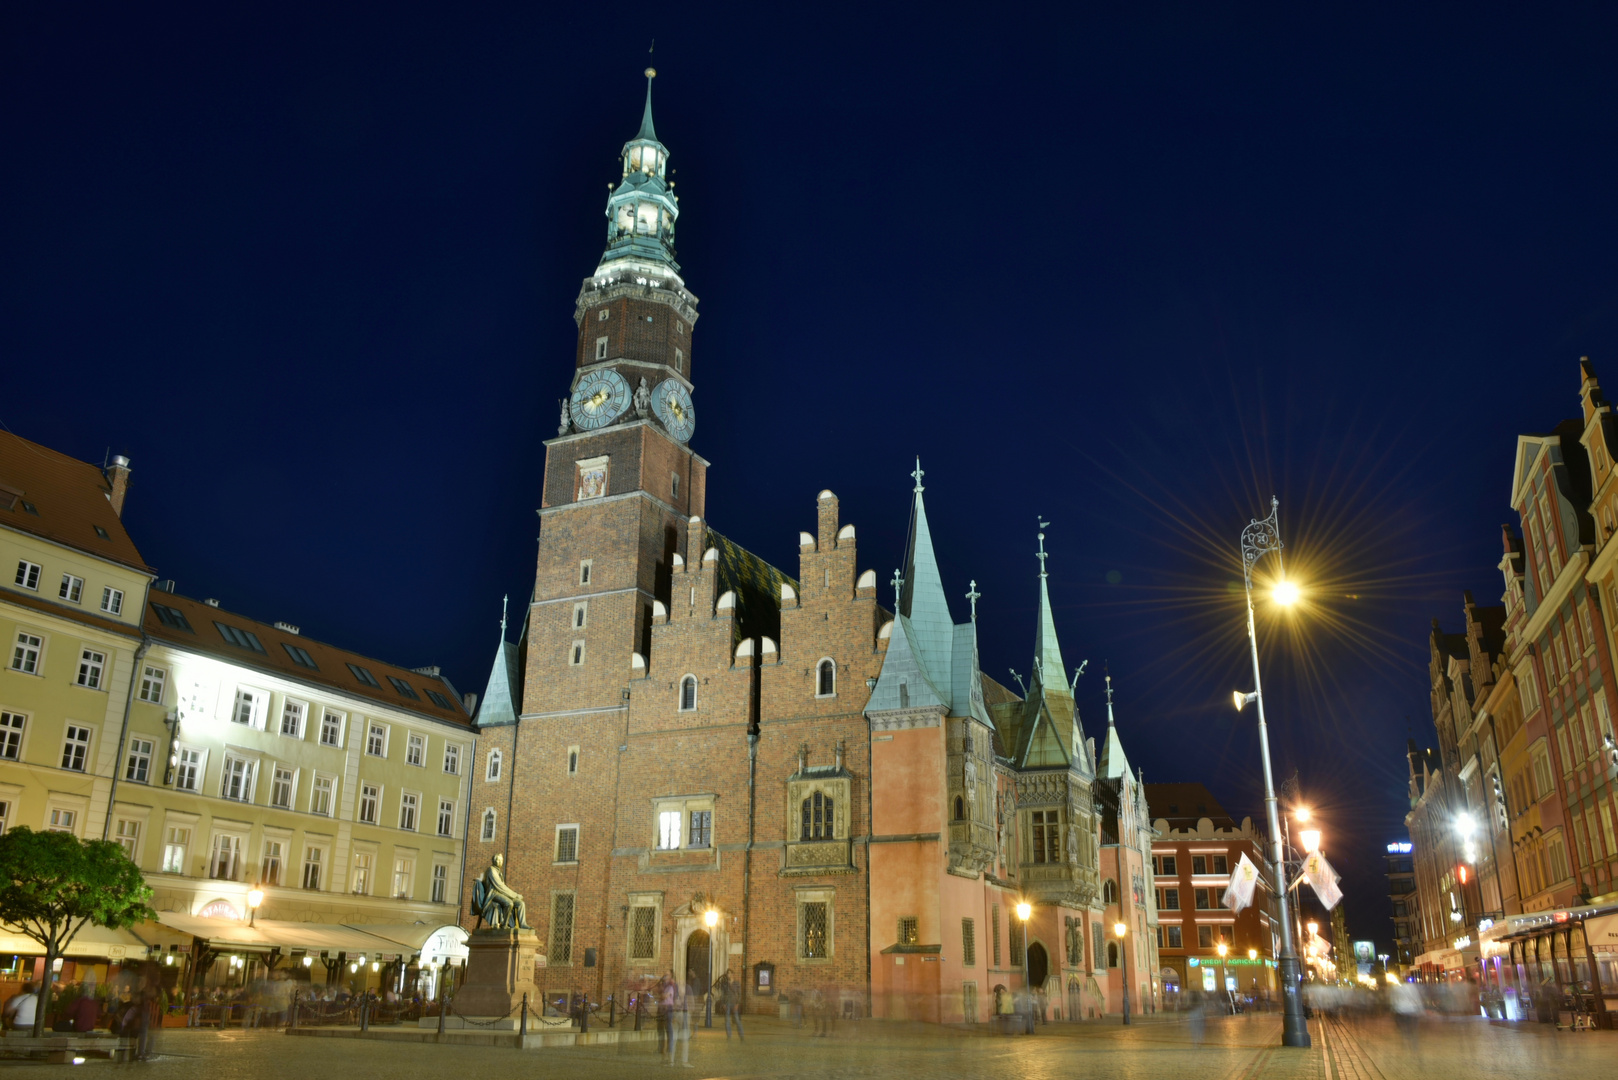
column 664, row 999
column 680, row 1022
column 730, row 996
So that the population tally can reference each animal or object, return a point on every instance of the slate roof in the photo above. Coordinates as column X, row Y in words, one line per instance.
column 69, row 497
column 202, row 633
column 757, row 586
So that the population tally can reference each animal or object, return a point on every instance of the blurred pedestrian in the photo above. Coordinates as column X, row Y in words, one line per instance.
column 21, row 1010
column 730, row 996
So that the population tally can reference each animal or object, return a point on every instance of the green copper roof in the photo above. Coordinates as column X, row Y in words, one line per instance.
column 647, row 131
column 1113, row 763
column 1047, row 652
column 922, row 598
column 501, row 696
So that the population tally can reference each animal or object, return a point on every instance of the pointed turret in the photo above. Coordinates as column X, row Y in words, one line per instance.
column 647, row 132
column 1113, row 763
column 642, row 209
column 921, row 599
column 501, row 696
column 1047, row 652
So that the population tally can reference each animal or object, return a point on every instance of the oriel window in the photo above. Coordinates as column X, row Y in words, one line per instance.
column 818, row 819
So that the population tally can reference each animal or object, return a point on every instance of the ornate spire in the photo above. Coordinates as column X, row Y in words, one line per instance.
column 1048, row 666
column 1113, row 763
column 1110, row 722
column 504, row 600
column 972, row 597
column 642, row 208
column 921, row 591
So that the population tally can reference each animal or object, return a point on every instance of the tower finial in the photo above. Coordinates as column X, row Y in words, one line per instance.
column 918, row 474
column 972, row 597
column 1043, row 525
column 898, row 584
column 1109, row 699
column 504, row 600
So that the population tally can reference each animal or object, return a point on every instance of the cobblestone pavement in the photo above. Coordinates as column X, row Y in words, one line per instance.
column 1237, row 1048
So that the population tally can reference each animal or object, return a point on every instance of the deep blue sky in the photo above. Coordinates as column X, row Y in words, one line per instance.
column 314, row 271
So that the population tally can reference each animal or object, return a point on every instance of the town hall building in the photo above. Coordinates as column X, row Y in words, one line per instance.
column 695, row 762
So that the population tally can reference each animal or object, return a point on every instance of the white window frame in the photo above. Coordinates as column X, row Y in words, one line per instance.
column 601, row 348
column 19, row 723
column 255, row 700
column 670, row 828
column 440, row 884
column 92, row 674
column 490, row 826
column 85, row 744
column 688, row 679
column 416, row 744
column 329, row 790
column 71, row 589
column 181, row 765
column 492, row 766
column 581, row 614
column 60, row 818
column 127, row 832
column 404, row 866
column 134, row 753
column 299, row 710
column 28, row 653
column 586, row 567
column 112, row 600
column 248, row 774
column 815, row 896
column 277, row 772
column 362, row 873
column 234, row 842
column 452, row 758
column 375, row 798
column 371, row 729
column 318, row 856
column 575, row 653
column 410, row 801
column 28, row 574
column 446, row 813
column 153, row 681
column 177, row 847
column 342, row 722
column 280, row 860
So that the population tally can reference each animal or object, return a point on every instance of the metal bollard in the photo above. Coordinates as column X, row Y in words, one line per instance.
column 640, row 1005
column 522, row 1030
column 443, row 1007
column 365, row 1014
column 293, row 1024
column 612, row 1011
column 584, row 1013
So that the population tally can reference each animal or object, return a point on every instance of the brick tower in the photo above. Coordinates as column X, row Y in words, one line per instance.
column 621, row 483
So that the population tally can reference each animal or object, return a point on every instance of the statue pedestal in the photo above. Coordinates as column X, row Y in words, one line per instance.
column 499, row 971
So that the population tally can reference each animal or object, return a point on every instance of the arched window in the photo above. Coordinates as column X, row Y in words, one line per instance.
column 493, row 771
column 818, row 820
column 826, row 679
column 1109, row 892
column 960, row 809
column 488, row 824
column 688, row 693
column 1112, row 954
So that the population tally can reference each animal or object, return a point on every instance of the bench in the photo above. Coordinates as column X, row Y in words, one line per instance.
column 60, row 1048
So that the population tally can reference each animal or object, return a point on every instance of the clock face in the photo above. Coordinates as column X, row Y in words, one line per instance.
column 602, row 397
column 673, row 407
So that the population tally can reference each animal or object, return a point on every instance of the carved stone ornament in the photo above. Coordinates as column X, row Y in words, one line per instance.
column 567, row 419
column 643, row 399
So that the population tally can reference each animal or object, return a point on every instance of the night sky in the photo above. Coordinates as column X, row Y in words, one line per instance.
column 314, row 273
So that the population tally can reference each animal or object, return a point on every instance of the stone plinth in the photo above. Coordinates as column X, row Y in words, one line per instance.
column 499, row 971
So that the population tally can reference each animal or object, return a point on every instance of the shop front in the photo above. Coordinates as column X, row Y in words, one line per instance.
column 1552, row 966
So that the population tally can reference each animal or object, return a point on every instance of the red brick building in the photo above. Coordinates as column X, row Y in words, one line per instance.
column 682, row 729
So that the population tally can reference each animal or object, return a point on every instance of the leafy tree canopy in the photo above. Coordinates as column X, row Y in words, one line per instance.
column 52, row 883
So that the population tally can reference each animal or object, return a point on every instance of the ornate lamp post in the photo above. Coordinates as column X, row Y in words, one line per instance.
column 711, row 917
column 1224, row 979
column 1024, row 911
column 1122, row 930
column 1259, row 539
column 255, row 897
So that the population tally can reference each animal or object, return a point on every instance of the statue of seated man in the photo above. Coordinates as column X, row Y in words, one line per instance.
column 503, row 907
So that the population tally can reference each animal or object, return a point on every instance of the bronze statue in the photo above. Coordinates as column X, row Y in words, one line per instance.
column 497, row 903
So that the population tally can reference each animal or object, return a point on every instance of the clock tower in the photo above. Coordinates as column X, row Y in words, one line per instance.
column 622, row 487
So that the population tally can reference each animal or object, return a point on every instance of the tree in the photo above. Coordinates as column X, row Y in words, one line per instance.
column 53, row 883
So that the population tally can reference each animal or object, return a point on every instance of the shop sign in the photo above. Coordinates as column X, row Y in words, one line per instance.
column 1404, row 847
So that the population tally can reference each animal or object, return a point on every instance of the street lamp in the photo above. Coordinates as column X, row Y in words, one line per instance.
column 1122, row 929
column 255, row 897
column 1024, row 911
column 1311, row 840
column 1224, row 979
column 1259, row 539
column 711, row 917
column 1302, row 813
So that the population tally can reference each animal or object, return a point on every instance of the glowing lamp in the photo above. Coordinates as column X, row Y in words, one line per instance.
column 1252, row 954
column 711, row 917
column 1311, row 840
column 1286, row 594
column 1303, row 813
column 1465, row 825
column 1242, row 700
column 1120, row 928
column 308, row 961
column 376, row 965
column 1024, row 910
column 1314, row 927
column 1224, row 950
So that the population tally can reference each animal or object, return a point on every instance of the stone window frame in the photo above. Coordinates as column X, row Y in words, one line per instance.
column 838, row 787
column 493, row 765
column 489, row 826
column 581, row 615
column 551, row 937
column 575, row 653
column 815, row 894
column 556, row 844
column 969, row 943
column 820, row 667
column 573, row 760
column 688, row 679
column 684, row 805
column 585, row 568
column 642, row 901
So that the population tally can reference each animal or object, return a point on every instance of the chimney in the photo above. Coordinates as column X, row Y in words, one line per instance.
column 469, row 702
column 211, row 602
column 283, row 626
column 118, row 477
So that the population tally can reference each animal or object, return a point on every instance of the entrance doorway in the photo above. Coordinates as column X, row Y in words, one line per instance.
column 1039, row 966
column 696, row 960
